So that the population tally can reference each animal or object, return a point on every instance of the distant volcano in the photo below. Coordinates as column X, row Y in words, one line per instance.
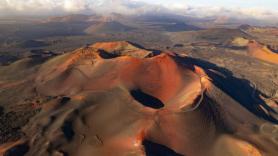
column 108, row 27
column 262, row 52
column 176, row 27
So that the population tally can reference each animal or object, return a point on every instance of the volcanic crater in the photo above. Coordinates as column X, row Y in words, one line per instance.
column 114, row 98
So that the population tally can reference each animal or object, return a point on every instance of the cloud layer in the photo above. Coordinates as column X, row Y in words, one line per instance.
column 241, row 13
column 60, row 7
column 46, row 7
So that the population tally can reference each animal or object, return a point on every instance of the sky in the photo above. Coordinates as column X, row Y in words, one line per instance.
column 267, row 4
column 260, row 9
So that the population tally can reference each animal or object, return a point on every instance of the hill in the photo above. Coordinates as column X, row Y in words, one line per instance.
column 262, row 52
column 108, row 27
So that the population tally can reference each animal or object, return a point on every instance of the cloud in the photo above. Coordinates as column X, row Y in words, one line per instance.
column 240, row 13
column 74, row 5
column 29, row 5
column 259, row 13
column 134, row 7
column 50, row 7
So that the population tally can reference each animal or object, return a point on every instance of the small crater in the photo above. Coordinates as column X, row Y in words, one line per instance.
column 153, row 149
column 61, row 153
column 68, row 130
column 268, row 128
column 275, row 139
column 105, row 55
column 1, row 110
column 64, row 100
column 146, row 99
column 19, row 150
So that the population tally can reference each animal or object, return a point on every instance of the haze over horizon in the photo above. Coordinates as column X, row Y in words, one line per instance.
column 262, row 10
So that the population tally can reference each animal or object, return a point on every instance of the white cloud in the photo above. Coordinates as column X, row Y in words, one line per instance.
column 74, row 5
column 52, row 7
column 44, row 7
column 259, row 13
column 241, row 13
column 28, row 5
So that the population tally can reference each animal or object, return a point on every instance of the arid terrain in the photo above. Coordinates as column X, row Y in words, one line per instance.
column 82, row 85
